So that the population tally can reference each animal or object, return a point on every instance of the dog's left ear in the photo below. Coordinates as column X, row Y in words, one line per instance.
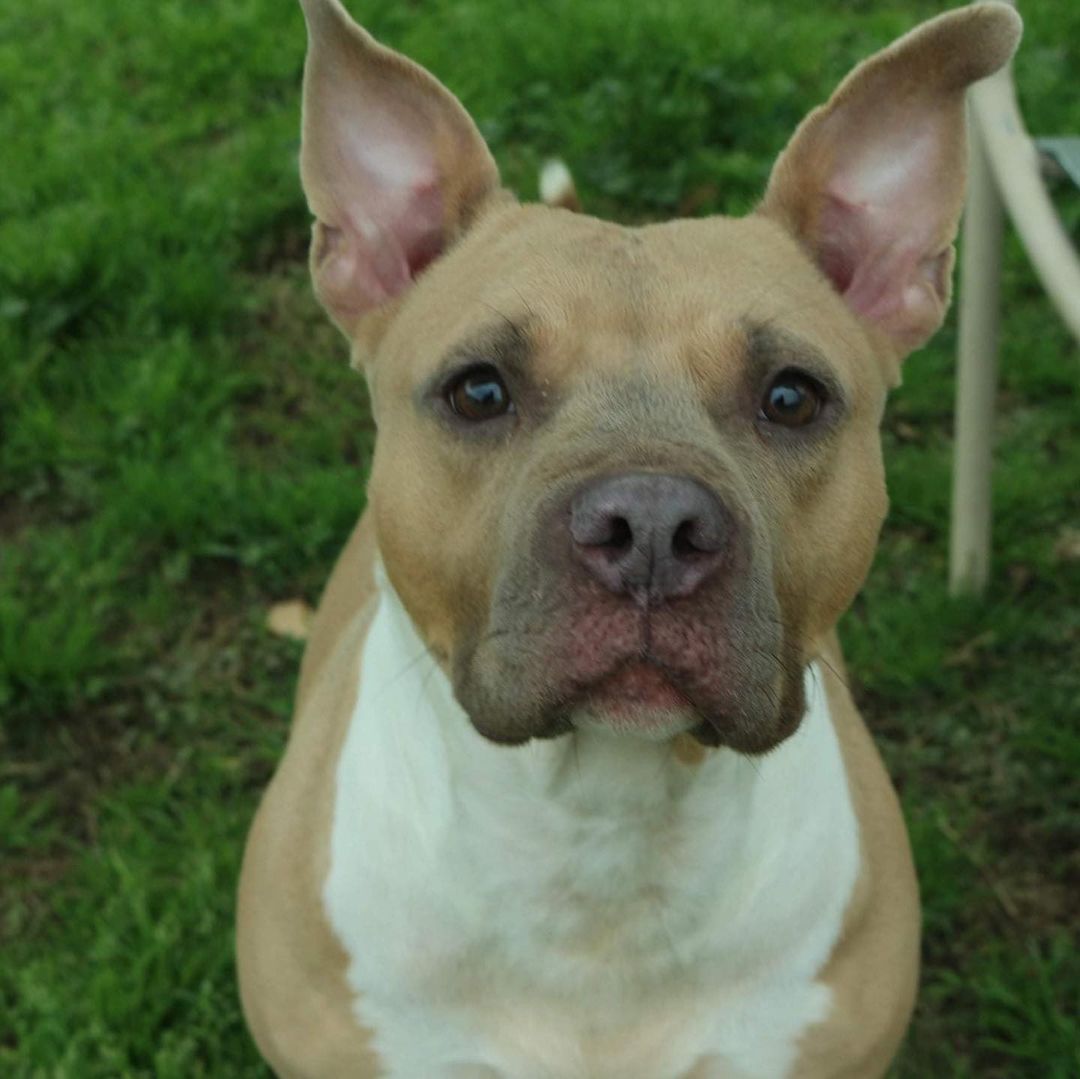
column 392, row 166
column 872, row 183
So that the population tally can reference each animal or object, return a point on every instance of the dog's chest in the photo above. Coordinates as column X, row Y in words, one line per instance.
column 598, row 911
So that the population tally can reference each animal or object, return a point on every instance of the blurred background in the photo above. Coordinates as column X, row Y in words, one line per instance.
column 182, row 445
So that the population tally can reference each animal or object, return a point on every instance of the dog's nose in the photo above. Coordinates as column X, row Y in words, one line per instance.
column 648, row 535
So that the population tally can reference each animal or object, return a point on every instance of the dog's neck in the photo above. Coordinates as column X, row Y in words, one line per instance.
column 594, row 875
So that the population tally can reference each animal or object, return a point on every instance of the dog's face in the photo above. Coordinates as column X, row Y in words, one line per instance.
column 631, row 476
column 627, row 475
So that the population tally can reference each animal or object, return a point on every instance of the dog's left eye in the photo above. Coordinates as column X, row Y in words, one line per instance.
column 478, row 394
column 792, row 400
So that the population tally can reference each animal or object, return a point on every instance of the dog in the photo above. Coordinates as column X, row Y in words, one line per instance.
column 575, row 788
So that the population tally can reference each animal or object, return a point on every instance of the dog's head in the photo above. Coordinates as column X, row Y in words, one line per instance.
column 631, row 476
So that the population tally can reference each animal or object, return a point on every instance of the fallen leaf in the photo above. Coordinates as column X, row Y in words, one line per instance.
column 290, row 618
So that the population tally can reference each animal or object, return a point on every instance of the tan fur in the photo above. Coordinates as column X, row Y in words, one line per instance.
column 657, row 321
column 292, row 968
column 874, row 971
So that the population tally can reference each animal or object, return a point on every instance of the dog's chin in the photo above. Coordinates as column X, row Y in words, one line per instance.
column 646, row 724
column 637, row 700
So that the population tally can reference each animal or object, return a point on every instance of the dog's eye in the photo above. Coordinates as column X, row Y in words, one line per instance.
column 792, row 400
column 478, row 394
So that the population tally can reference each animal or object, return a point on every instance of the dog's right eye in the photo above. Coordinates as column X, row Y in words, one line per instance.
column 792, row 400
column 478, row 394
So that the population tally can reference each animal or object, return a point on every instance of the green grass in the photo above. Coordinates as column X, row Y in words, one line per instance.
column 181, row 443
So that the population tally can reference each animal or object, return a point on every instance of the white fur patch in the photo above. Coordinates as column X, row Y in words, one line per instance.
column 582, row 908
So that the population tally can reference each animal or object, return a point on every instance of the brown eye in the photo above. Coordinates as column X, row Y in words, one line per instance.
column 478, row 394
column 792, row 400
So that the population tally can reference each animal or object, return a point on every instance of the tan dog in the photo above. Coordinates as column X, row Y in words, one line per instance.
column 574, row 788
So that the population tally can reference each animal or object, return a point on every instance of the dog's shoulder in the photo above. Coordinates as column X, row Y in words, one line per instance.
column 873, row 973
column 292, row 969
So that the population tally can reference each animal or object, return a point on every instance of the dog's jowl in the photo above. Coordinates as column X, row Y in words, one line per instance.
column 575, row 789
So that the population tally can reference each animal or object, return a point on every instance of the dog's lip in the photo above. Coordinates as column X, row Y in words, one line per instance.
column 642, row 683
column 637, row 695
column 642, row 695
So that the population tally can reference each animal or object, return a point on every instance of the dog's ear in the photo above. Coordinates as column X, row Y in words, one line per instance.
column 392, row 166
column 872, row 183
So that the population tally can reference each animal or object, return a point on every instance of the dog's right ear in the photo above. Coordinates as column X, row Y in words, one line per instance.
column 872, row 183
column 392, row 166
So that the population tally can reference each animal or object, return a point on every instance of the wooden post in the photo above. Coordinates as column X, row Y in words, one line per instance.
column 976, row 376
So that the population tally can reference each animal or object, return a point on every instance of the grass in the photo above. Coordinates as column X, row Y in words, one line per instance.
column 181, row 443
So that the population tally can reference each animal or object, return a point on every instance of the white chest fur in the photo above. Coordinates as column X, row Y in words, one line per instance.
column 584, row 908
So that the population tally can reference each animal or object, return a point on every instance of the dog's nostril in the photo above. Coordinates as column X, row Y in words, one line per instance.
column 620, row 536
column 682, row 542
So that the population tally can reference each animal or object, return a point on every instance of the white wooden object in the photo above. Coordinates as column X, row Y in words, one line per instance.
column 1004, row 171
column 976, row 377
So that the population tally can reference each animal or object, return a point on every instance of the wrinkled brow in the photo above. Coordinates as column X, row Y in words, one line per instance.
column 770, row 349
column 506, row 344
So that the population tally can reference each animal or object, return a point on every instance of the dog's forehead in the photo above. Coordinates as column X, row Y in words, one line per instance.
column 590, row 294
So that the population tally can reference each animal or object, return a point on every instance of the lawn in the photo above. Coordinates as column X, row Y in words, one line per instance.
column 182, row 444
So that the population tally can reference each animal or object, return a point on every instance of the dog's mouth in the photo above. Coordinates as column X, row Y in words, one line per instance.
column 639, row 697
column 718, row 665
column 640, row 685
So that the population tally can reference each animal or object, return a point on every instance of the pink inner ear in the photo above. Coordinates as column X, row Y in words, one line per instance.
column 881, row 229
column 385, row 240
column 869, row 259
column 379, row 194
column 395, row 232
